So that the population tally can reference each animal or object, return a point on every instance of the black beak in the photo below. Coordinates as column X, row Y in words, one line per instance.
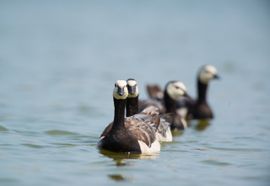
column 120, row 91
column 216, row 76
column 132, row 90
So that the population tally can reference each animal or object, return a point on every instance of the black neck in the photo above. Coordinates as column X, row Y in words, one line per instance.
column 202, row 91
column 170, row 104
column 132, row 106
column 119, row 113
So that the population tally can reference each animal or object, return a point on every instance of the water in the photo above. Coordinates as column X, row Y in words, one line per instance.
column 58, row 64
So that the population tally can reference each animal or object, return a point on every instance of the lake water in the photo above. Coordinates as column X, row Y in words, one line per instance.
column 58, row 64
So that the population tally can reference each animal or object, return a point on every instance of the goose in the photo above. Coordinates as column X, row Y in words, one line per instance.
column 130, row 134
column 132, row 107
column 173, row 92
column 196, row 108
column 199, row 108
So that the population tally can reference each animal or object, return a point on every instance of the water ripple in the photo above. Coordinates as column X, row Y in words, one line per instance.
column 35, row 146
column 60, row 133
column 216, row 162
column 65, row 144
column 237, row 149
column 8, row 180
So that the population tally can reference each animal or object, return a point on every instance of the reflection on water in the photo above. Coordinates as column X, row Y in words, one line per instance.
column 202, row 125
column 120, row 158
column 176, row 133
column 60, row 133
column 118, row 177
column 2, row 129
column 35, row 146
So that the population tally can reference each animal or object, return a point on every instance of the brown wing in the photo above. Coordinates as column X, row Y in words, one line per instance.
column 163, row 124
column 154, row 91
column 149, row 115
column 175, row 120
column 151, row 110
column 151, row 102
column 143, row 127
column 163, row 127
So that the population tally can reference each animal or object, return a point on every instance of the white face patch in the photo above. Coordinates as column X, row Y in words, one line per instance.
column 176, row 90
column 182, row 112
column 180, row 85
column 133, row 84
column 120, row 84
column 207, row 73
column 167, row 137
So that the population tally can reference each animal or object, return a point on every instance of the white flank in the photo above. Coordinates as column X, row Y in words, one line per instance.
column 182, row 112
column 184, row 123
column 155, row 147
column 167, row 138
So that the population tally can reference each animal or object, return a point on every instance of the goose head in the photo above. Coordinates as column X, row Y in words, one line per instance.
column 120, row 90
column 132, row 87
column 176, row 89
column 207, row 73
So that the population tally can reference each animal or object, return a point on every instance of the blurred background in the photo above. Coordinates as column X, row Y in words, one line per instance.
column 58, row 64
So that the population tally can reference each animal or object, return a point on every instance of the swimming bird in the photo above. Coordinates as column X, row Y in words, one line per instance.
column 193, row 108
column 199, row 108
column 173, row 92
column 129, row 134
column 132, row 107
